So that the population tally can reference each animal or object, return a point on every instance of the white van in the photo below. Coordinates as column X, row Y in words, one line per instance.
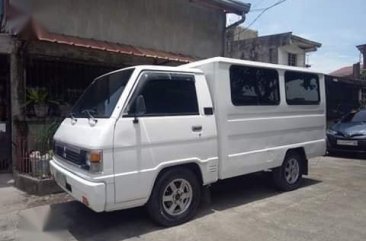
column 155, row 135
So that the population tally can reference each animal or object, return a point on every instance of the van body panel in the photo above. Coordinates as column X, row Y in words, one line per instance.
column 143, row 149
column 256, row 138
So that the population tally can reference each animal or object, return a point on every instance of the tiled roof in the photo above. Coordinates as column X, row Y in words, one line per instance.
column 343, row 72
column 45, row 36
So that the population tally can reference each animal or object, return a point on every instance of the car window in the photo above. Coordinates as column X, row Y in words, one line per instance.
column 355, row 117
column 167, row 94
column 302, row 88
column 254, row 86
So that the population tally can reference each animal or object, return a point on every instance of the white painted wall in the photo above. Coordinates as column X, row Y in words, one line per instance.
column 293, row 49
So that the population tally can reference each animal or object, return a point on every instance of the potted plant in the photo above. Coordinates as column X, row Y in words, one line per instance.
column 38, row 98
column 43, row 150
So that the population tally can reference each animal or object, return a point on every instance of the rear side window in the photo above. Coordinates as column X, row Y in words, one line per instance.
column 254, row 86
column 167, row 94
column 302, row 88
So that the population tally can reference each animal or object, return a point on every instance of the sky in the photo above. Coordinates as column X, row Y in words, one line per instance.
column 338, row 25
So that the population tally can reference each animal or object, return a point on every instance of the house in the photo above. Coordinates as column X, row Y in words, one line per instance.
column 346, row 71
column 346, row 88
column 344, row 94
column 51, row 50
column 283, row 48
column 362, row 49
column 357, row 70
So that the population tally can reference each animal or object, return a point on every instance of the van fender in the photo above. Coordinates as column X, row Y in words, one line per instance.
column 206, row 170
column 301, row 151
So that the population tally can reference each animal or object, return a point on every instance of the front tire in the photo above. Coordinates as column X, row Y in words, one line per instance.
column 175, row 197
column 289, row 176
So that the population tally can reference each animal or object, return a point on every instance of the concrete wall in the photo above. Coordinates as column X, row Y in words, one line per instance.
column 178, row 26
column 270, row 49
column 264, row 49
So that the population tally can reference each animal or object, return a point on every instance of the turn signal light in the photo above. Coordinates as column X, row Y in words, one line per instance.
column 95, row 156
column 94, row 161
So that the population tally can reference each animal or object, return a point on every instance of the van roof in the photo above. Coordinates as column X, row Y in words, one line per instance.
column 246, row 62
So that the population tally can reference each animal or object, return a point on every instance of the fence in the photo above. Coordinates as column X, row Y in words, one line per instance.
column 34, row 150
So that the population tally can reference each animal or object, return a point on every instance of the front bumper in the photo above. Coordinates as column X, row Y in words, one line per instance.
column 92, row 194
column 333, row 146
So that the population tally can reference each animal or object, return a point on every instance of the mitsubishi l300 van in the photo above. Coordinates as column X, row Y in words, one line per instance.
column 156, row 135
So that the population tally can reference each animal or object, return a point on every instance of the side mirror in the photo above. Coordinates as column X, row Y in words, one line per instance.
column 140, row 108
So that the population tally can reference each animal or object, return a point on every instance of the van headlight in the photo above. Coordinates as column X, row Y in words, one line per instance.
column 94, row 161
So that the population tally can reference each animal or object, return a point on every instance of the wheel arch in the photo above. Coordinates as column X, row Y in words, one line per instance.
column 302, row 153
column 193, row 166
column 190, row 165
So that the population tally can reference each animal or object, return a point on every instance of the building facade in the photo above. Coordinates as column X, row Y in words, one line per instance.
column 284, row 48
column 362, row 49
column 51, row 50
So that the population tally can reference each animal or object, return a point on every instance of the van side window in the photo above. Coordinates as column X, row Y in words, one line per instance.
column 254, row 86
column 167, row 94
column 302, row 88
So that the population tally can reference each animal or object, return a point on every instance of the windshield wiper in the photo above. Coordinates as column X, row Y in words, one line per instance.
column 89, row 113
column 72, row 116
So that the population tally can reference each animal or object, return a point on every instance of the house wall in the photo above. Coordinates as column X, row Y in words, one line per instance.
column 178, row 26
column 270, row 49
column 255, row 49
column 293, row 49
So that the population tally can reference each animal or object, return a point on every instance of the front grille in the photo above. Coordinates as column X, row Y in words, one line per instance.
column 70, row 154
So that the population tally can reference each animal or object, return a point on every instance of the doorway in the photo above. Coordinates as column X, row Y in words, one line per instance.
column 5, row 136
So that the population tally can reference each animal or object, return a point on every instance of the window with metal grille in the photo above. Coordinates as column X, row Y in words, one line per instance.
column 62, row 81
column 292, row 59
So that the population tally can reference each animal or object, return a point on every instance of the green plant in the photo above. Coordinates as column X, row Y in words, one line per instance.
column 36, row 96
column 44, row 138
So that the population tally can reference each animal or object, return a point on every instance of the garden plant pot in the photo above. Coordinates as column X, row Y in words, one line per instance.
column 41, row 110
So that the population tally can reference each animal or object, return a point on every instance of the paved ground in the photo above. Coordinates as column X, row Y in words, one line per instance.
column 331, row 205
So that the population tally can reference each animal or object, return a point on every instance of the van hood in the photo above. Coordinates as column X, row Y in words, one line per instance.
column 81, row 133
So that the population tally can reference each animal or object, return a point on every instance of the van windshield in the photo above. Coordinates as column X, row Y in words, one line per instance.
column 101, row 97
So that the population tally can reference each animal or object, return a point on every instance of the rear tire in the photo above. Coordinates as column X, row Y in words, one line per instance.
column 289, row 176
column 175, row 197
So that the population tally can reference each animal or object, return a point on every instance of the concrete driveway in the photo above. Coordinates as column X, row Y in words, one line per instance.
column 331, row 205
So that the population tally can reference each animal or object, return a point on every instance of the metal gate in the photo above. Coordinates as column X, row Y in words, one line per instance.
column 5, row 136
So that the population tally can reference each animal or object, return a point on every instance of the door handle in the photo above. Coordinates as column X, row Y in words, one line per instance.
column 196, row 128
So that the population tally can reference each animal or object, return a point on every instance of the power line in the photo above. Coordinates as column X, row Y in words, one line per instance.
column 258, row 4
column 260, row 14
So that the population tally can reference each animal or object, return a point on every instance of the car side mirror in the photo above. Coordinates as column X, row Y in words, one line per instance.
column 140, row 108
